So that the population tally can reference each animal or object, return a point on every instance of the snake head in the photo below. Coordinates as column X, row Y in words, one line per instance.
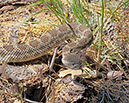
column 72, row 60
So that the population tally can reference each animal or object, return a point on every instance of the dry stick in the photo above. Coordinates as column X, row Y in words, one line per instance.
column 31, row 101
column 53, row 59
column 123, row 71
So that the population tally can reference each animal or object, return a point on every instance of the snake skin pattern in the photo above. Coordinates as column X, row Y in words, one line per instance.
column 38, row 47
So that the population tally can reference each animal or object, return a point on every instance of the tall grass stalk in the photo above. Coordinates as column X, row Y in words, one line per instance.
column 101, row 33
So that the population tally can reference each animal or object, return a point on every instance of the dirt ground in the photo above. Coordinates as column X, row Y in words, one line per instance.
column 32, row 81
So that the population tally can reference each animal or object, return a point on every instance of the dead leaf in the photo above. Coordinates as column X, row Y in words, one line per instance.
column 86, row 74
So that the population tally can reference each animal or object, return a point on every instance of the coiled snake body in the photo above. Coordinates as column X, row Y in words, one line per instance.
column 38, row 47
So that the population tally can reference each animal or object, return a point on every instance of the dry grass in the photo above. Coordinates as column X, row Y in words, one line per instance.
column 108, row 55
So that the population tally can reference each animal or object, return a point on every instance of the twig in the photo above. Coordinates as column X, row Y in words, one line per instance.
column 31, row 101
column 53, row 59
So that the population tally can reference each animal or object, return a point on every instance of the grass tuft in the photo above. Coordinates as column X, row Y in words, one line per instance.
column 86, row 13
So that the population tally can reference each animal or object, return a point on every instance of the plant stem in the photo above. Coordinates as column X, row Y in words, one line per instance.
column 100, row 35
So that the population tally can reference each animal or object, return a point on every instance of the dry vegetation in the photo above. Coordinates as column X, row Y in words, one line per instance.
column 105, row 76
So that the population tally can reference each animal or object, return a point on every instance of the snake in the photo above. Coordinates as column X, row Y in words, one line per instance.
column 39, row 47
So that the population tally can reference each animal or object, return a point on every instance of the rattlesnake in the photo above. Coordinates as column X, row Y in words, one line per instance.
column 38, row 47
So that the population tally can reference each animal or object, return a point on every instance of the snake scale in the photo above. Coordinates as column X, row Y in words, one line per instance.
column 39, row 47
